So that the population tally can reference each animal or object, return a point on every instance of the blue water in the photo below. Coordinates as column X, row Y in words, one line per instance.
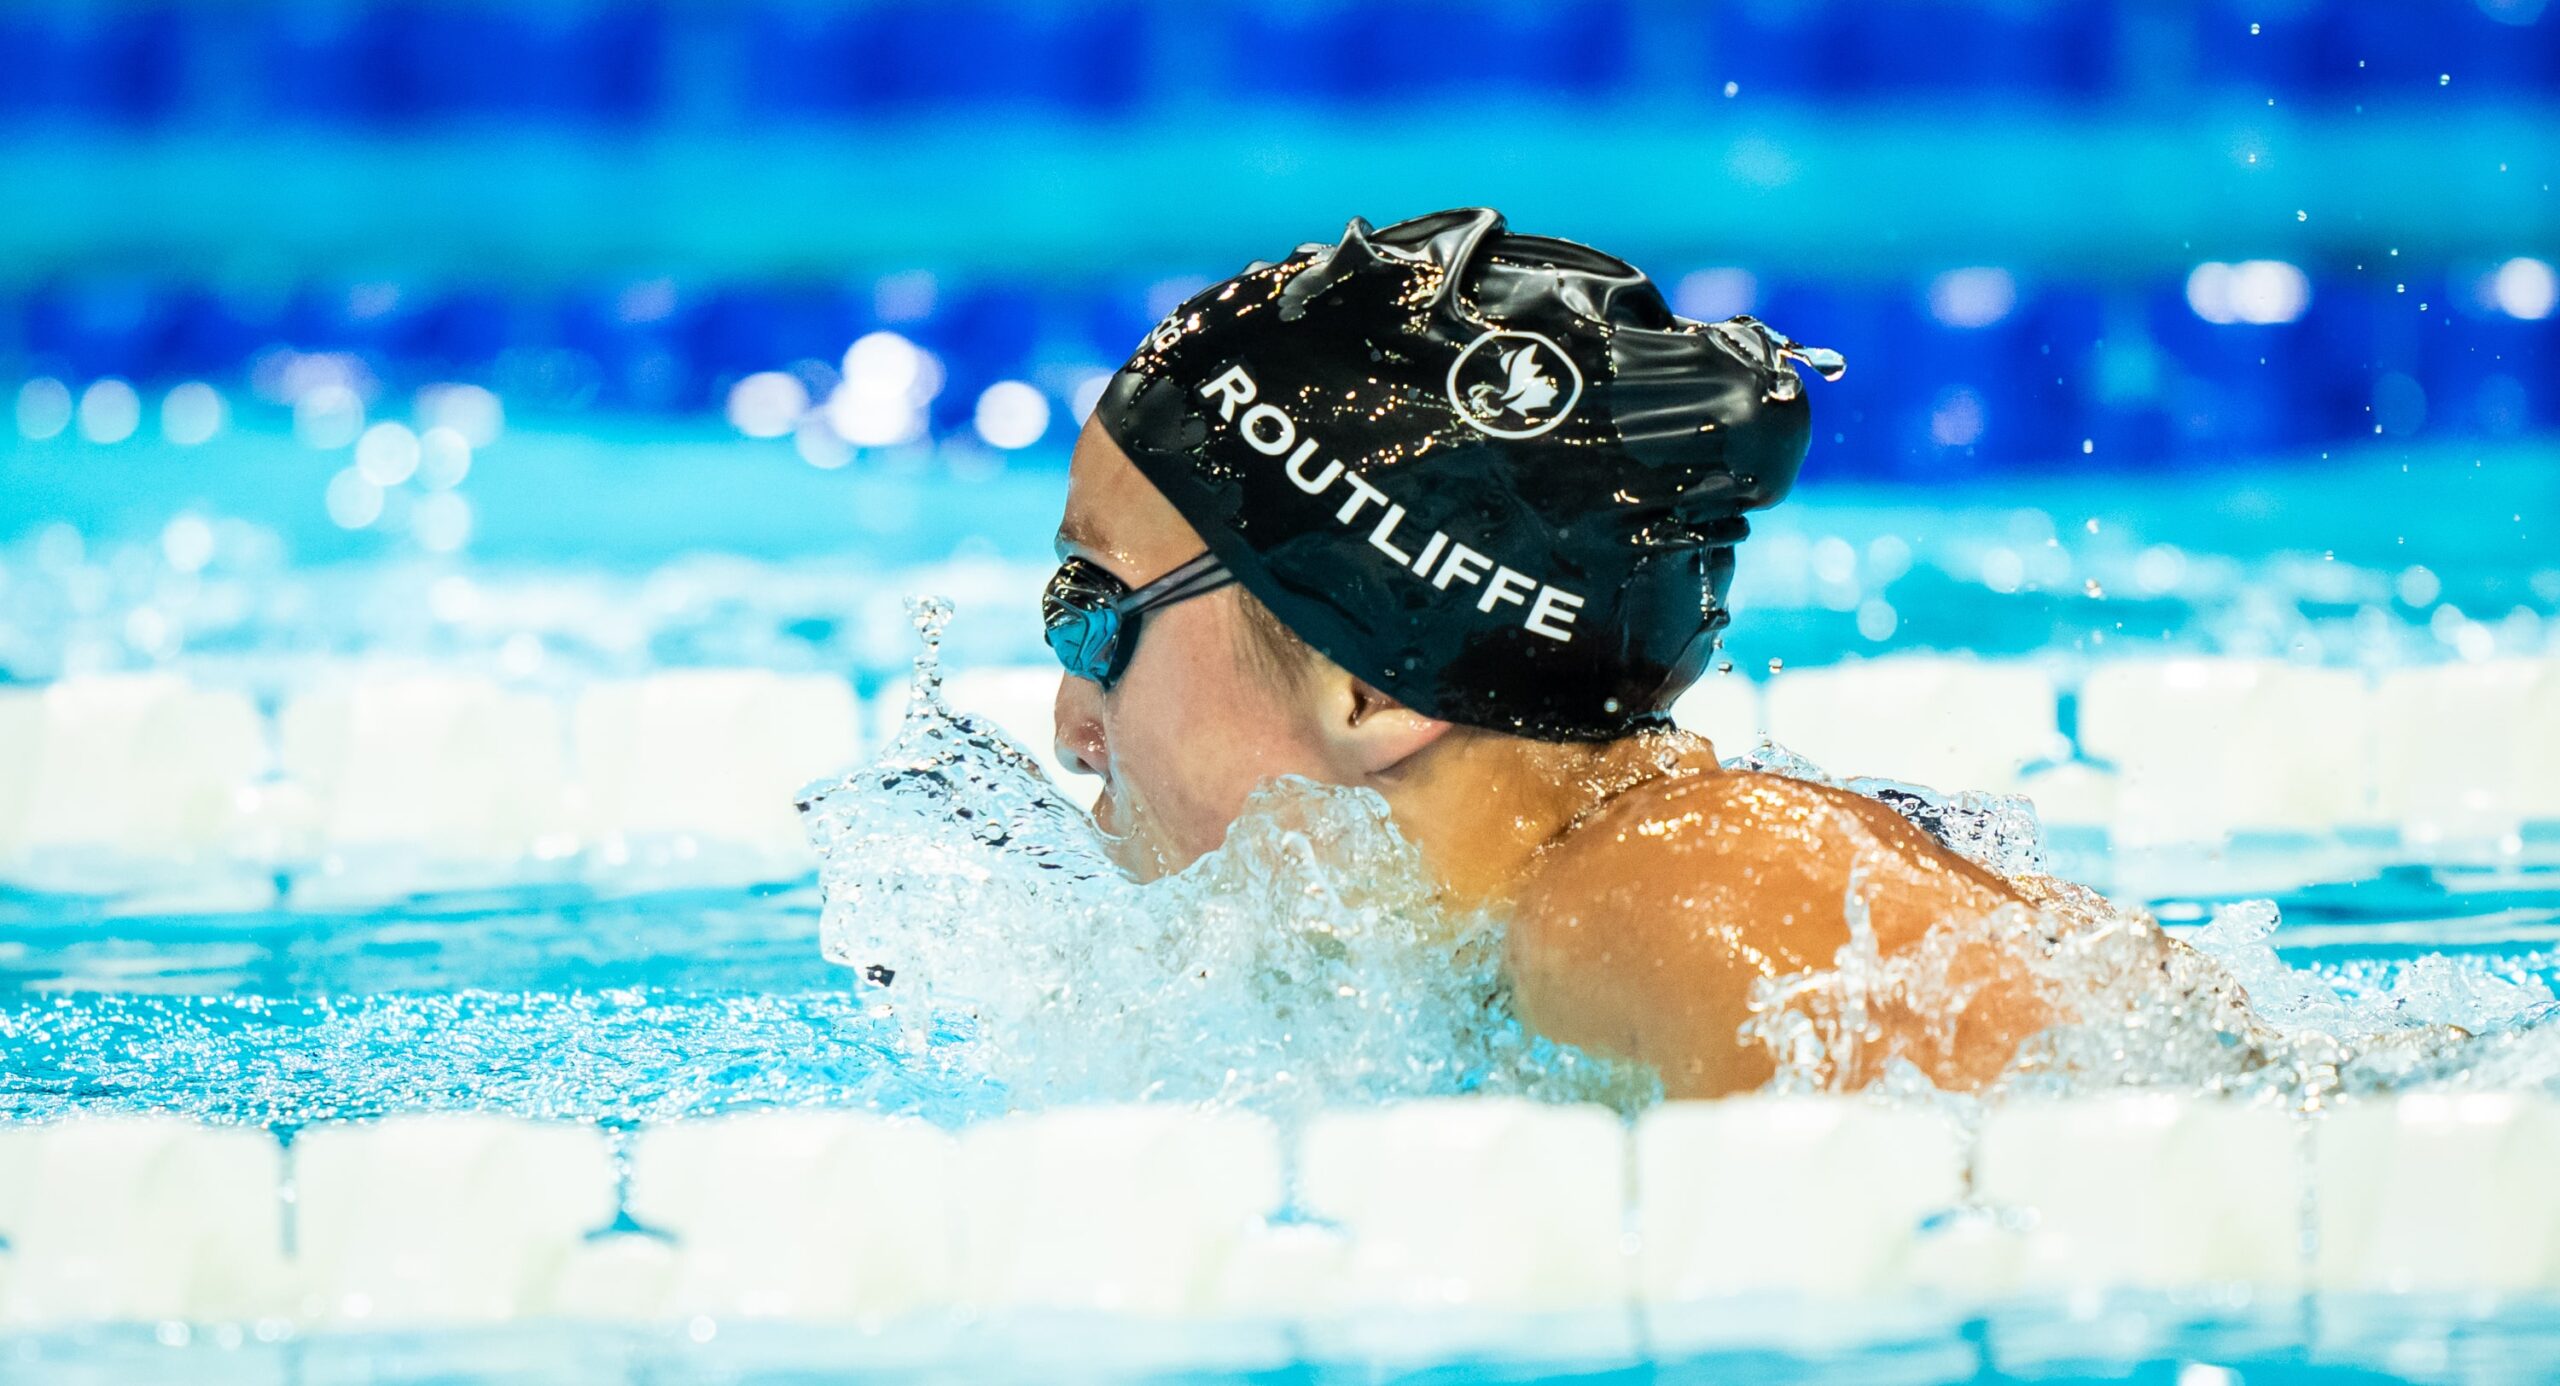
column 2148, row 1341
column 611, row 213
column 618, row 1006
column 762, row 559
column 543, row 1003
column 562, row 1004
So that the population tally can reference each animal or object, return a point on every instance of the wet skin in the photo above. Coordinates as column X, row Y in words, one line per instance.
column 1647, row 888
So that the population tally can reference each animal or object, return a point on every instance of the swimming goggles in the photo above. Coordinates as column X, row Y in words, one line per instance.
column 1092, row 616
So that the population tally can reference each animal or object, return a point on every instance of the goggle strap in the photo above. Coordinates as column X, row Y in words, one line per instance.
column 1197, row 578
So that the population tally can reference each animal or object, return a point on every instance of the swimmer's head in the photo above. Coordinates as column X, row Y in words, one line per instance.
column 1494, row 475
column 1492, row 481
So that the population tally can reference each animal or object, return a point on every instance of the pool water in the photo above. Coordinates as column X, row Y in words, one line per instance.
column 283, row 986
column 569, row 1004
column 2152, row 1341
column 540, row 1003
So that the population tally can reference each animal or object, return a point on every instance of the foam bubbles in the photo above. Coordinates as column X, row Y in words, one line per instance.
column 1306, row 961
column 2219, row 1013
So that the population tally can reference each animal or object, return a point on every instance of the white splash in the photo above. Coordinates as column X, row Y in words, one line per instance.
column 2220, row 1012
column 1305, row 961
column 1309, row 960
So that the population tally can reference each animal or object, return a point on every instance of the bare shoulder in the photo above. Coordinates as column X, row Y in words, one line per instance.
column 1759, row 839
column 1644, row 930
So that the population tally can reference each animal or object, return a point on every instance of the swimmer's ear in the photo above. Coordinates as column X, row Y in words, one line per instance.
column 1374, row 733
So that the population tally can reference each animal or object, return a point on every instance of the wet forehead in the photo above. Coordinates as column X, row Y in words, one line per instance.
column 1115, row 516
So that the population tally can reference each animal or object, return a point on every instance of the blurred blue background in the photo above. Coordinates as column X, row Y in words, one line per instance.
column 346, row 247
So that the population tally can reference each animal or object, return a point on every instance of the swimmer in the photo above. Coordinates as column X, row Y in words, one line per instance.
column 1451, row 513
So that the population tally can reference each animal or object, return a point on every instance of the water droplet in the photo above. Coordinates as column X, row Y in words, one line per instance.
column 1828, row 364
column 2093, row 589
column 1777, row 666
column 2091, row 525
column 1255, row 976
column 2444, row 79
column 930, row 616
column 2302, row 215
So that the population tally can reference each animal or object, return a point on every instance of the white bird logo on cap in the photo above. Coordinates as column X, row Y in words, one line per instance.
column 1537, row 385
column 1525, row 389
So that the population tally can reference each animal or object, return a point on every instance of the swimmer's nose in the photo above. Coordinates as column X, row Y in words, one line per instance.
column 1079, row 742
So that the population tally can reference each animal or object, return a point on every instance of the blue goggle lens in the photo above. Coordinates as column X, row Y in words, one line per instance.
column 1091, row 617
column 1082, row 618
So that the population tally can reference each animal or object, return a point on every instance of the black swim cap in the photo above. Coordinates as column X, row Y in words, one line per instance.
column 1492, row 475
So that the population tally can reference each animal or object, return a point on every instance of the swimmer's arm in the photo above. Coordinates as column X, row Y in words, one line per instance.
column 1646, row 940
